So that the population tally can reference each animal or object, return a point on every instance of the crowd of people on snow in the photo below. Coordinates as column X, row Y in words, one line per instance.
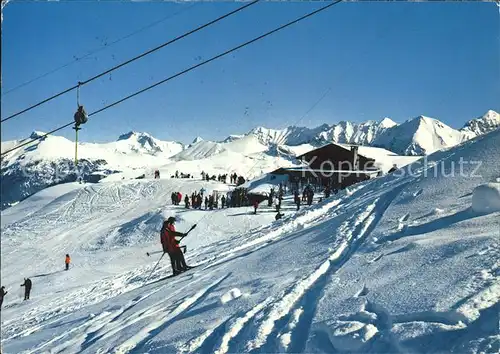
column 27, row 284
column 239, row 197
column 179, row 175
column 223, row 178
column 216, row 200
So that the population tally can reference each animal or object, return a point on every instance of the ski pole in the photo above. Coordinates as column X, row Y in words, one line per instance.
column 151, row 253
column 192, row 227
column 155, row 266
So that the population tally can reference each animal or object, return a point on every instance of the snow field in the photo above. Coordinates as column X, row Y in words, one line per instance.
column 338, row 276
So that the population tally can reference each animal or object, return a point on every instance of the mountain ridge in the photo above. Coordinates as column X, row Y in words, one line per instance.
column 24, row 171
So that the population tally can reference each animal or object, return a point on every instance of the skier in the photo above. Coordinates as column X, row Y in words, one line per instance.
column 206, row 203
column 310, row 196
column 255, row 206
column 271, row 196
column 280, row 199
column 2, row 294
column 67, row 260
column 171, row 246
column 27, row 288
column 186, row 201
column 393, row 168
column 223, row 201
column 297, row 201
column 327, row 192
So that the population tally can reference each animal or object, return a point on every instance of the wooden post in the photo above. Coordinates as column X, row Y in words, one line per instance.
column 76, row 144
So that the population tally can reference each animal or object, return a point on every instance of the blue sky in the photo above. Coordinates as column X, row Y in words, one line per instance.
column 390, row 59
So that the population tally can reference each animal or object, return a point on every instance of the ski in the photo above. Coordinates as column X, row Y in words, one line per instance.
column 172, row 276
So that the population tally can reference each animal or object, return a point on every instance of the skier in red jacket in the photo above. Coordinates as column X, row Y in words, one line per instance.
column 171, row 246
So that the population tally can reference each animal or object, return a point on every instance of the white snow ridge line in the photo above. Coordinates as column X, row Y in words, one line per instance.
column 197, row 342
column 286, row 338
column 238, row 326
column 283, row 307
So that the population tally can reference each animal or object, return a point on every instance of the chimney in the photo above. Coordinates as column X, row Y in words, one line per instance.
column 355, row 162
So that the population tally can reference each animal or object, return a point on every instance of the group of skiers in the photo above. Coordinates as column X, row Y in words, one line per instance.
column 176, row 198
column 197, row 200
column 279, row 197
column 209, row 202
column 27, row 290
column 179, row 175
column 27, row 284
column 308, row 195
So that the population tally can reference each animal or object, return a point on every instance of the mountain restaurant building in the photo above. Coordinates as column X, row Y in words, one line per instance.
column 331, row 165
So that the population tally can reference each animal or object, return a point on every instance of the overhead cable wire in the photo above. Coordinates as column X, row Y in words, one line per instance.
column 92, row 52
column 184, row 71
column 81, row 83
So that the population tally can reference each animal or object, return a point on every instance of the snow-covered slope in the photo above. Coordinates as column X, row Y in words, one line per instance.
column 201, row 149
column 51, row 161
column 384, row 266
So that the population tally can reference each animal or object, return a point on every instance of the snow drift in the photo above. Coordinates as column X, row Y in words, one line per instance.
column 486, row 198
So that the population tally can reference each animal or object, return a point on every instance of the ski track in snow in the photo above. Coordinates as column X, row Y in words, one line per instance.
column 238, row 325
column 306, row 217
column 135, row 343
column 352, row 233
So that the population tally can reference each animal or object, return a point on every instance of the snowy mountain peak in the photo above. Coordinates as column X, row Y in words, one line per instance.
column 197, row 140
column 135, row 135
column 144, row 143
column 418, row 136
column 36, row 134
column 481, row 125
column 387, row 123
column 232, row 137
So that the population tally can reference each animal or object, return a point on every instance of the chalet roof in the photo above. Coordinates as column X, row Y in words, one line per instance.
column 331, row 148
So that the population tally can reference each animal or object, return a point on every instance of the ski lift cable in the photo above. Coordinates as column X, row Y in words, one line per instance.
column 183, row 72
column 105, row 46
column 130, row 60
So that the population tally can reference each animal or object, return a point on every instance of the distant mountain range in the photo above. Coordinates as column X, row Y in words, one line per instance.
column 51, row 160
column 417, row 136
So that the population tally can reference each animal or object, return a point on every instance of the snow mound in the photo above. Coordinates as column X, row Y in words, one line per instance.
column 352, row 335
column 486, row 198
column 230, row 295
